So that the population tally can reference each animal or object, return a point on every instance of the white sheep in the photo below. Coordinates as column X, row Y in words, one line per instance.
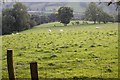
column 97, row 27
column 61, row 30
column 50, row 30
column 17, row 33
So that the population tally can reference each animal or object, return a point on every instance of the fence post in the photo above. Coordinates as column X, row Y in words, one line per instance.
column 10, row 64
column 34, row 71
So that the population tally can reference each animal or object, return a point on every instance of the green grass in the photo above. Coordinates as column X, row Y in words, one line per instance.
column 78, row 51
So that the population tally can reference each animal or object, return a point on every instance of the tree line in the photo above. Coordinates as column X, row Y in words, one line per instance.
column 17, row 19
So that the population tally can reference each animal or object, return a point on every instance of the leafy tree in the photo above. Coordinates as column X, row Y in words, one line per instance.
column 7, row 21
column 100, row 15
column 91, row 12
column 36, row 19
column 32, row 23
column 65, row 14
column 105, row 17
column 21, row 16
column 94, row 13
column 15, row 19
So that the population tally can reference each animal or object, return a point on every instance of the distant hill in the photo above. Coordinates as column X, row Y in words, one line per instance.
column 79, row 7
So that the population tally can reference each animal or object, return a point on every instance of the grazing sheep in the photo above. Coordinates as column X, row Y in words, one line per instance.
column 97, row 27
column 17, row 33
column 61, row 30
column 50, row 30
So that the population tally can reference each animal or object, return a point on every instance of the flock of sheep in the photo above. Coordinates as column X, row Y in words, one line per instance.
column 61, row 30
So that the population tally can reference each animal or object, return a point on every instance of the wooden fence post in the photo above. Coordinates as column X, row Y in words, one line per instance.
column 34, row 71
column 10, row 64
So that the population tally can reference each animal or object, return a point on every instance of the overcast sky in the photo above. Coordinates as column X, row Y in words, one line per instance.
column 61, row 0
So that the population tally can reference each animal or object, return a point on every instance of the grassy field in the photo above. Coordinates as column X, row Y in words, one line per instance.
column 78, row 51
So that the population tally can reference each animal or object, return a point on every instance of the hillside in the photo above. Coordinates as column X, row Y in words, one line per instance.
column 79, row 51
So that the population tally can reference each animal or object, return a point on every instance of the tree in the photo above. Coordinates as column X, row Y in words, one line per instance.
column 15, row 19
column 65, row 14
column 35, row 18
column 94, row 13
column 91, row 12
column 21, row 16
column 105, row 17
column 7, row 21
column 100, row 15
column 52, row 17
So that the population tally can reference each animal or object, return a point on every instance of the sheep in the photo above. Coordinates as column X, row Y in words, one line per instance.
column 61, row 30
column 50, row 30
column 97, row 27
column 17, row 33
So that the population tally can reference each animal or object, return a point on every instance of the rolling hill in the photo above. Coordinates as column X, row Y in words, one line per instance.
column 53, row 6
column 79, row 51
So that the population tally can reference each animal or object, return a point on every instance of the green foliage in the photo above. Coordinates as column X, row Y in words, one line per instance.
column 41, row 19
column 32, row 23
column 36, row 18
column 21, row 17
column 64, row 15
column 7, row 21
column 52, row 17
column 106, row 18
column 15, row 19
column 91, row 12
column 94, row 13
